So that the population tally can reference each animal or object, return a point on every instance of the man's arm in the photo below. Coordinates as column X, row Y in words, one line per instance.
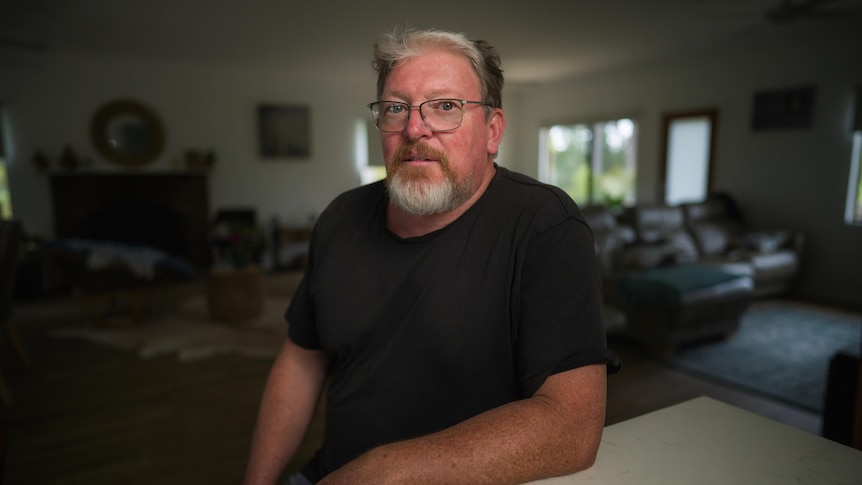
column 555, row 432
column 289, row 401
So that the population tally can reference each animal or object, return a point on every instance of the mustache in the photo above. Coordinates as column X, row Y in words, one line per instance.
column 418, row 149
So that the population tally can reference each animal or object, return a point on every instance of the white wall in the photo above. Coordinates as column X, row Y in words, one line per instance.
column 793, row 179
column 49, row 105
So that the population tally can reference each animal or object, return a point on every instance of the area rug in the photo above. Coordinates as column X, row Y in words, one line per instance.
column 191, row 335
column 782, row 350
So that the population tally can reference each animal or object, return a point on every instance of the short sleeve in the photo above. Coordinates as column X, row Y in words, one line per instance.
column 560, row 323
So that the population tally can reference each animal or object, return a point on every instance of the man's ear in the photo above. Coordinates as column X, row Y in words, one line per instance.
column 496, row 127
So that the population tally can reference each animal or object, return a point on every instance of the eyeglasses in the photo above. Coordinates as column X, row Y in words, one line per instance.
column 437, row 114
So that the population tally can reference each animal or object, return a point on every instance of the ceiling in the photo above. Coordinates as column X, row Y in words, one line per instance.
column 538, row 40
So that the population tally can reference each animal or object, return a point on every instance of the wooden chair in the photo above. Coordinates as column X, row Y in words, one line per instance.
column 10, row 240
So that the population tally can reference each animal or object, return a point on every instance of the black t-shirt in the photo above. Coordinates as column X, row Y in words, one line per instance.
column 423, row 333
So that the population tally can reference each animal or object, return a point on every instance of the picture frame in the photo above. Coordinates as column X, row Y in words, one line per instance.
column 284, row 131
column 791, row 108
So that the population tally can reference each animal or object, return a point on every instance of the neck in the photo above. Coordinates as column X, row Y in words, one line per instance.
column 407, row 225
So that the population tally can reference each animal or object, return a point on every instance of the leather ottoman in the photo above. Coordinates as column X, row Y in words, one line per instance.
column 675, row 305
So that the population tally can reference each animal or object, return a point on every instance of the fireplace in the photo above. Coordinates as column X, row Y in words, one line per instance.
column 168, row 211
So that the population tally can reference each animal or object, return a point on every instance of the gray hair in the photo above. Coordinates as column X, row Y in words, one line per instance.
column 396, row 46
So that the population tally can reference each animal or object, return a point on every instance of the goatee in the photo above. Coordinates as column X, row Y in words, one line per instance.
column 417, row 192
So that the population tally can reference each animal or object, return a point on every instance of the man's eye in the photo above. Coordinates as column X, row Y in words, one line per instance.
column 395, row 109
column 445, row 106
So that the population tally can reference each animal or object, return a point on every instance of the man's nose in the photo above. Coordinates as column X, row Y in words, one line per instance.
column 416, row 127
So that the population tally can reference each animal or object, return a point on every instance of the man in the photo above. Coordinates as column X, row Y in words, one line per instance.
column 454, row 310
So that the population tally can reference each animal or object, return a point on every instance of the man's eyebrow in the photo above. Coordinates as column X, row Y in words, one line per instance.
column 437, row 94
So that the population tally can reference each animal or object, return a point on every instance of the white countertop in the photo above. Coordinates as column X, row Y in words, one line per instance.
column 704, row 441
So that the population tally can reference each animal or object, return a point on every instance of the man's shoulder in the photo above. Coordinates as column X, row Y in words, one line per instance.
column 369, row 191
column 353, row 205
column 520, row 186
column 358, row 198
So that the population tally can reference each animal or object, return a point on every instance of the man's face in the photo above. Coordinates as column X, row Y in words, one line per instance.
column 432, row 172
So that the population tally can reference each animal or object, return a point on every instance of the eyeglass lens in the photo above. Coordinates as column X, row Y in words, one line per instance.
column 438, row 114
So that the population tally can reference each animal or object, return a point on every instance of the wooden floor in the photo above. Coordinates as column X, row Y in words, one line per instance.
column 89, row 414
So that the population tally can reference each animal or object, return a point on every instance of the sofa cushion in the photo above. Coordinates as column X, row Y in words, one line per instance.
column 654, row 223
column 764, row 242
column 599, row 218
column 710, row 209
column 675, row 248
column 681, row 247
column 606, row 238
column 770, row 266
column 715, row 237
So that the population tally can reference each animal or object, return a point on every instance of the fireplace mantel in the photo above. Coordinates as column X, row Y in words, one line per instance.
column 166, row 210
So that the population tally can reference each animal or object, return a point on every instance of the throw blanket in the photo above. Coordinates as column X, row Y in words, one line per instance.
column 142, row 261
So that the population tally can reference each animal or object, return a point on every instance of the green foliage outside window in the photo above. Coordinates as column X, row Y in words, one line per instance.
column 859, row 200
column 594, row 163
column 858, row 208
column 853, row 211
column 5, row 197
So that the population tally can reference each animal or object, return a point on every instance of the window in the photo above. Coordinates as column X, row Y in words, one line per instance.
column 369, row 154
column 688, row 156
column 853, row 213
column 853, row 208
column 5, row 196
column 595, row 163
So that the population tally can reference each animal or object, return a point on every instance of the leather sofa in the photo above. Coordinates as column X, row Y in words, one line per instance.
column 642, row 250
column 771, row 258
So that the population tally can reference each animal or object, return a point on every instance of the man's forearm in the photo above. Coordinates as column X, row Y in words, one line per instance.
column 276, row 437
column 556, row 432
column 287, row 407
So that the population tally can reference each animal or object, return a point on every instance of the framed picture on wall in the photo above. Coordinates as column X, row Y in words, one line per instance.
column 284, row 131
column 783, row 108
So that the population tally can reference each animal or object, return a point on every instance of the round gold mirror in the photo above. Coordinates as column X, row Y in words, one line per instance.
column 128, row 133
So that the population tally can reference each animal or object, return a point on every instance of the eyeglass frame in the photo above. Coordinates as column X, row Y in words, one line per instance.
column 419, row 106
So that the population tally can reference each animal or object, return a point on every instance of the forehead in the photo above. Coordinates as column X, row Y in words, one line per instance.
column 433, row 73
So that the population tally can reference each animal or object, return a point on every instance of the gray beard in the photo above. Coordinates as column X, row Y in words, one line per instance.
column 422, row 198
